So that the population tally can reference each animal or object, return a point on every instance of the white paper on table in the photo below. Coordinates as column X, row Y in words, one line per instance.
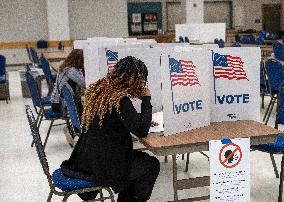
column 158, row 118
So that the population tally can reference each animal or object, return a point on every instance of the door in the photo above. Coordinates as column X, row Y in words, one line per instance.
column 223, row 13
column 174, row 15
column 271, row 17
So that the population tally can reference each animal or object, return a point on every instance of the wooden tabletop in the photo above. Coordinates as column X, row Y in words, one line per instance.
column 57, row 55
column 216, row 131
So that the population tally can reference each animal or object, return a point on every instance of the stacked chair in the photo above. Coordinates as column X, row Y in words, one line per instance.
column 4, row 80
column 60, row 184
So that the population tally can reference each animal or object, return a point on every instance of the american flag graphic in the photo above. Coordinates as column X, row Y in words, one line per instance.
column 112, row 59
column 229, row 67
column 182, row 72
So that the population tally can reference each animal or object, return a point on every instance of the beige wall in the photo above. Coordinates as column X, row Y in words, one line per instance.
column 89, row 18
column 23, row 20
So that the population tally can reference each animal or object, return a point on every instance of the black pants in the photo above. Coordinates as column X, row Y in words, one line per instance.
column 142, row 177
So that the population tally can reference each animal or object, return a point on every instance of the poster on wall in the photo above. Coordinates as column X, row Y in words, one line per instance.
column 235, row 84
column 185, row 90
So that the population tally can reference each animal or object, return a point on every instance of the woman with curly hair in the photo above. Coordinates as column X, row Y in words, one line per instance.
column 104, row 152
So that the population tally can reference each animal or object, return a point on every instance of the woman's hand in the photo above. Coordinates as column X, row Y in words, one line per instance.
column 145, row 92
column 153, row 124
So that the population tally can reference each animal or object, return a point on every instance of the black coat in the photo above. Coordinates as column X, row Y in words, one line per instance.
column 104, row 154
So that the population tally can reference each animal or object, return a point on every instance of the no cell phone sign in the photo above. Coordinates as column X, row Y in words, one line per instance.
column 230, row 155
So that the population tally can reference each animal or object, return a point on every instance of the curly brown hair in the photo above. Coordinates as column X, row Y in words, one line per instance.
column 128, row 79
column 74, row 59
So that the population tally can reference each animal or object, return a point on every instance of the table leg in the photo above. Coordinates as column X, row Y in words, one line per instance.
column 175, row 178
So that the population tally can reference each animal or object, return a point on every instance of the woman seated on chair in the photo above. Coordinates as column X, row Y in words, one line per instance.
column 104, row 152
column 71, row 74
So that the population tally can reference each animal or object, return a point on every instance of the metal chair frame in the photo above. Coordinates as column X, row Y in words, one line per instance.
column 45, row 167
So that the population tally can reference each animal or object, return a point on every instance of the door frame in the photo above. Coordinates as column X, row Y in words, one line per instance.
column 167, row 13
column 263, row 6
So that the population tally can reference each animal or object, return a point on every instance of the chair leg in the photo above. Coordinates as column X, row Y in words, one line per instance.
column 65, row 198
column 205, row 155
column 262, row 100
column 266, row 112
column 40, row 120
column 101, row 195
column 50, row 196
column 187, row 162
column 166, row 159
column 7, row 93
column 110, row 194
column 274, row 165
column 47, row 135
column 281, row 180
column 271, row 108
column 182, row 157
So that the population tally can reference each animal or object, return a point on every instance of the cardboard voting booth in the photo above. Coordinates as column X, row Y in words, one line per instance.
column 185, row 90
column 205, row 32
column 91, row 54
column 230, row 170
column 235, row 84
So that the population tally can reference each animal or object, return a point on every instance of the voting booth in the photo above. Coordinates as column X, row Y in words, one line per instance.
column 235, row 84
column 205, row 32
column 185, row 91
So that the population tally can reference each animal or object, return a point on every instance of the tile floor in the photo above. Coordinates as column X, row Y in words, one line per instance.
column 22, row 179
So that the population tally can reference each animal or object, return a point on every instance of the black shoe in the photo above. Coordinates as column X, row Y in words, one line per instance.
column 87, row 196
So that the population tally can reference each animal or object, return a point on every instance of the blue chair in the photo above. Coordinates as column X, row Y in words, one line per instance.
column 262, row 35
column 237, row 39
column 271, row 36
column 42, row 44
column 259, row 41
column 278, row 49
column 72, row 111
column 181, row 40
column 34, row 57
column 216, row 41
column 278, row 146
column 66, row 185
column 4, row 81
column 47, row 113
column 275, row 78
column 221, row 43
column 186, row 40
column 47, row 73
column 236, row 44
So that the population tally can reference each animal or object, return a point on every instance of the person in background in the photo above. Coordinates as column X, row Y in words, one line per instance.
column 71, row 74
column 104, row 152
